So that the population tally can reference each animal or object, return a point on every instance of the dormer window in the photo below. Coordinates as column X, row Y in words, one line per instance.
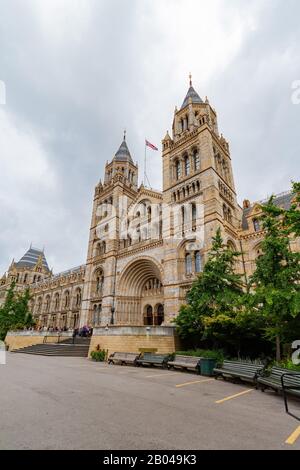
column 256, row 225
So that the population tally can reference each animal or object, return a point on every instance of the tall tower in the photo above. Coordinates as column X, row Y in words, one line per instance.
column 198, row 184
column 110, row 201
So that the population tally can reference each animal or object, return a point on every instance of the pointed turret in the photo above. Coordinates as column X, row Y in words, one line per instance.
column 123, row 154
column 191, row 96
column 121, row 168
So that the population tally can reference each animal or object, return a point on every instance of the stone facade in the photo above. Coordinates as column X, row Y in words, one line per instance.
column 146, row 247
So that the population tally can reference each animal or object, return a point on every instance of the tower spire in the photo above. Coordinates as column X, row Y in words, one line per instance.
column 124, row 138
column 190, row 77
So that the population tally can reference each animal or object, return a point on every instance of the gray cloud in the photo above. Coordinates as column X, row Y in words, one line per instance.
column 78, row 72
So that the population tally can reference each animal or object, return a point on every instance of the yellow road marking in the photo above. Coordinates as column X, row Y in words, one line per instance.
column 293, row 437
column 235, row 395
column 162, row 375
column 127, row 371
column 194, row 382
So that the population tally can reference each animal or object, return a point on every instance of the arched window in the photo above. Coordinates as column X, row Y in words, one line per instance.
column 178, row 169
column 67, row 299
column 34, row 278
column 99, row 282
column 56, row 302
column 25, row 278
column 188, row 263
column 97, row 314
column 148, row 316
column 159, row 318
column 78, row 298
column 98, row 246
column 256, row 225
column 186, row 165
column 47, row 304
column 149, row 213
column 196, row 159
column 39, row 305
column 194, row 217
column 182, row 219
column 198, row 262
column 181, row 125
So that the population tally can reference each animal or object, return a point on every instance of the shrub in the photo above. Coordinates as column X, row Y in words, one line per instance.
column 98, row 356
column 288, row 364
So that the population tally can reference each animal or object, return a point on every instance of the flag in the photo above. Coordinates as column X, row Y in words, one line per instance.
column 148, row 144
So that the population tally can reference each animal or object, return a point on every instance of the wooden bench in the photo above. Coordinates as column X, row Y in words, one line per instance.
column 185, row 362
column 246, row 371
column 279, row 379
column 123, row 358
column 153, row 360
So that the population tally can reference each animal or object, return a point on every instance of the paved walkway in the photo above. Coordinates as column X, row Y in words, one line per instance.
column 73, row 403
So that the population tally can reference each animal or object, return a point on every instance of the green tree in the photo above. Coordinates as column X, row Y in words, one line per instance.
column 275, row 297
column 291, row 217
column 214, row 301
column 15, row 314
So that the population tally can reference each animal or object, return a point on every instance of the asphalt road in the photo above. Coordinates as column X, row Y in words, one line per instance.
column 74, row 403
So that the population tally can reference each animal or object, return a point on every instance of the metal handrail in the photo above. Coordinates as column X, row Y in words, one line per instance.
column 285, row 389
column 46, row 336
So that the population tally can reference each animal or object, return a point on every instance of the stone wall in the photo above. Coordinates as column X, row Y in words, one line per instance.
column 22, row 339
column 135, row 339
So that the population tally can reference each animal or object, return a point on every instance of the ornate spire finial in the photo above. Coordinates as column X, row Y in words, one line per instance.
column 124, row 134
column 190, row 77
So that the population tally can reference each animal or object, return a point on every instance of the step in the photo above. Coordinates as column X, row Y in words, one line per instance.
column 56, row 349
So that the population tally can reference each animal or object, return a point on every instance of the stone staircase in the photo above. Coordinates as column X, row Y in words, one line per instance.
column 64, row 348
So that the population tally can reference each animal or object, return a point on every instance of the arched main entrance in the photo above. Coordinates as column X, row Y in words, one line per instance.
column 140, row 294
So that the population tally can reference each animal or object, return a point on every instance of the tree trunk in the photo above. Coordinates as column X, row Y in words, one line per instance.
column 278, row 355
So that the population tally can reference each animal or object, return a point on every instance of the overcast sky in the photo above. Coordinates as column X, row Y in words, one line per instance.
column 77, row 72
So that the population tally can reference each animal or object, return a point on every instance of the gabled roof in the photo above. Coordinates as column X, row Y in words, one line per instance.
column 123, row 154
column 31, row 258
column 191, row 94
column 283, row 200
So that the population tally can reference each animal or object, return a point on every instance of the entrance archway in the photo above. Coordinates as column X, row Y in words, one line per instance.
column 139, row 290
